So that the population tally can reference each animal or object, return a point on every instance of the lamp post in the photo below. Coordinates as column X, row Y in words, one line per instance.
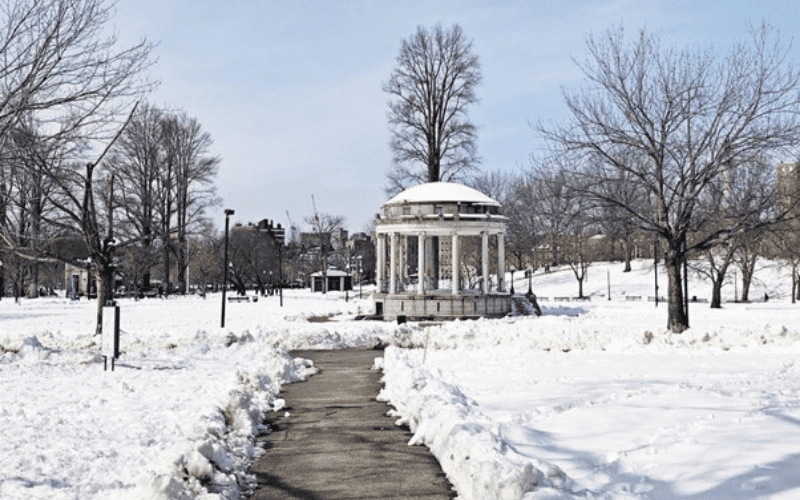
column 228, row 213
column 655, row 264
column 360, row 276
column 512, row 278
column 530, row 280
column 277, row 233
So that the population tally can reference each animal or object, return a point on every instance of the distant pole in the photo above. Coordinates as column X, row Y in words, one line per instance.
column 280, row 272
column 228, row 213
column 512, row 279
column 685, row 283
column 530, row 281
column 735, row 288
column 655, row 262
column 608, row 278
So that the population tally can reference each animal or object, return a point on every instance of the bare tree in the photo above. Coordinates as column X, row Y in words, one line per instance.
column 746, row 190
column 58, row 64
column 60, row 72
column 137, row 160
column 555, row 201
column 431, row 88
column 688, row 116
column 324, row 226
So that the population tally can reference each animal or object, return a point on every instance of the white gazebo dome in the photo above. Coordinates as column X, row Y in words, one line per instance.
column 442, row 192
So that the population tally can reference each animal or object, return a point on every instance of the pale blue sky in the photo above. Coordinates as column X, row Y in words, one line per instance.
column 291, row 91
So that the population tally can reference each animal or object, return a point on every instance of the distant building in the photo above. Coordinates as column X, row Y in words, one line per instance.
column 336, row 281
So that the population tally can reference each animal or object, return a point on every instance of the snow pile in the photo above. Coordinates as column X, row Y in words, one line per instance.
column 601, row 327
column 467, row 443
column 161, row 426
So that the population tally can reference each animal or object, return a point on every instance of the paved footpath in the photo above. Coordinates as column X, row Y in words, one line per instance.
column 338, row 443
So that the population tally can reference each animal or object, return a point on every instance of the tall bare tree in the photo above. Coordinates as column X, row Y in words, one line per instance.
column 62, row 72
column 193, row 169
column 430, row 89
column 59, row 64
column 689, row 115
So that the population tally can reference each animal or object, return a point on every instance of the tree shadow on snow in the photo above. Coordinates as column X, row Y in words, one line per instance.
column 562, row 311
column 762, row 481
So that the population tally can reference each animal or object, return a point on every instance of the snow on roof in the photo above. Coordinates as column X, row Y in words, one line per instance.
column 332, row 273
column 434, row 192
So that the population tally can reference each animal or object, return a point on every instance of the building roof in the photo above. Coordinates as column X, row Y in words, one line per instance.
column 332, row 273
column 442, row 192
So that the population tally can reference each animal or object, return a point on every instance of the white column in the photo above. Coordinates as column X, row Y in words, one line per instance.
column 485, row 260
column 501, row 262
column 421, row 262
column 393, row 263
column 404, row 258
column 456, row 275
column 381, row 261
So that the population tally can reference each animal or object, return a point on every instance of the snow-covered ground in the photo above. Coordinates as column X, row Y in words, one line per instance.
column 594, row 399
column 598, row 400
column 178, row 416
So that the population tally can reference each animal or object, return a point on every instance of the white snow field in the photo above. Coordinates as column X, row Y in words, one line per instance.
column 598, row 400
column 178, row 416
column 594, row 399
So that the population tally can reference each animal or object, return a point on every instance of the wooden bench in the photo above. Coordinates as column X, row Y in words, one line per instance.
column 633, row 297
column 653, row 299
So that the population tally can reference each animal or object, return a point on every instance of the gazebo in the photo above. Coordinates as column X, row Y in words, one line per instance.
column 433, row 245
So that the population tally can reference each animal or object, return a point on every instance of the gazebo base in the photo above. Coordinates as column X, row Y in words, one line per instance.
column 446, row 306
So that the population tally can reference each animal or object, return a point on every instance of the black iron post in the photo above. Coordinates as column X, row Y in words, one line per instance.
column 512, row 279
column 228, row 213
column 280, row 272
column 277, row 235
column 530, row 281
column 655, row 263
column 685, row 283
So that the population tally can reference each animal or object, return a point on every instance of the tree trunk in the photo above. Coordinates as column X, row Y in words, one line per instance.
column 580, row 287
column 746, row 279
column 165, row 285
column 627, row 252
column 795, row 283
column 716, row 292
column 105, row 290
column 677, row 321
column 747, row 266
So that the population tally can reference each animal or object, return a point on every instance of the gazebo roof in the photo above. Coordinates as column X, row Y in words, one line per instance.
column 442, row 192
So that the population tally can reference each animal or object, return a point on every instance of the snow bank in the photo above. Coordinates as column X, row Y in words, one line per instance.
column 467, row 444
column 159, row 427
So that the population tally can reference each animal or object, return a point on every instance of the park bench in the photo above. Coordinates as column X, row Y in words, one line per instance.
column 242, row 298
column 633, row 297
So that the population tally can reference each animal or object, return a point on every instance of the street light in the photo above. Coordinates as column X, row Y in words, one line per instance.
column 278, row 235
column 655, row 263
column 530, row 280
column 360, row 276
column 228, row 213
